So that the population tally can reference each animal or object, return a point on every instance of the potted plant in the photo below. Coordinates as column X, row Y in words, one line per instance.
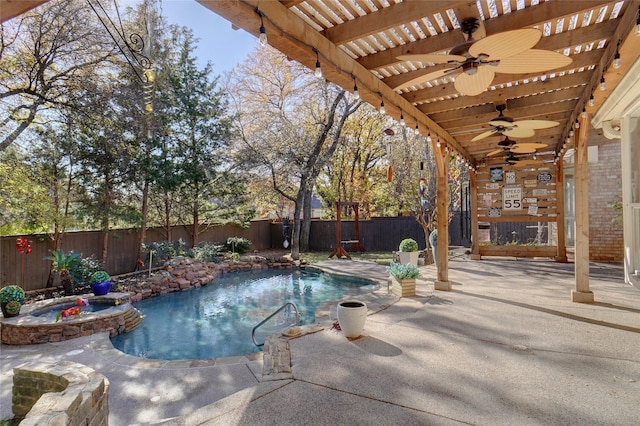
column 11, row 298
column 403, row 278
column 408, row 251
column 100, row 283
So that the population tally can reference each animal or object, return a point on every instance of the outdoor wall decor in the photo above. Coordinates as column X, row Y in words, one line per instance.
column 510, row 177
column 544, row 178
column 495, row 173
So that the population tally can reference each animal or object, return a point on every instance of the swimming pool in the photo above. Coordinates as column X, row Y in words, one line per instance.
column 216, row 320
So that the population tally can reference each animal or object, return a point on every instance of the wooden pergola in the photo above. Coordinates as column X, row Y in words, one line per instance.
column 359, row 42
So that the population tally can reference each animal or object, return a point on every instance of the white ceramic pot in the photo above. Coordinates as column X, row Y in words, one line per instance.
column 352, row 315
column 409, row 257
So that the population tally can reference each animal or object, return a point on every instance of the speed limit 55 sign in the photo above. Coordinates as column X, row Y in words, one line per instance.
column 512, row 198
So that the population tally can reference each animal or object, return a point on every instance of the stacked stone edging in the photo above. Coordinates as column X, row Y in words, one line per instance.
column 183, row 273
column 66, row 393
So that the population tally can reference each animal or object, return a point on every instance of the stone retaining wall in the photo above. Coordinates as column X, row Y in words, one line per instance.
column 66, row 393
column 184, row 273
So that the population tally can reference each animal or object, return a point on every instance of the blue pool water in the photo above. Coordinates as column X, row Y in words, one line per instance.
column 216, row 320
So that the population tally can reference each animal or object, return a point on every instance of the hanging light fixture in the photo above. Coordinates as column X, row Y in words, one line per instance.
column 318, row 71
column 638, row 23
column 577, row 124
column 438, row 143
column 263, row 31
column 603, row 84
column 429, row 137
column 616, row 59
column 382, row 109
column 356, row 92
column 402, row 122
column 584, row 112
column 592, row 100
column 416, row 131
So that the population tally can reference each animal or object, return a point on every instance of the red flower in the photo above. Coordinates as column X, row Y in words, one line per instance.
column 23, row 246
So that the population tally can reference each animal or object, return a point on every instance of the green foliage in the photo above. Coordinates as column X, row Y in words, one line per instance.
column 237, row 245
column 100, row 277
column 11, row 293
column 165, row 250
column 64, row 261
column 408, row 245
column 208, row 252
column 85, row 268
column 405, row 271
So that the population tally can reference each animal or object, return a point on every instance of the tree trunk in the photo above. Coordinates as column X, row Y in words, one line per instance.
column 305, row 227
column 143, row 221
column 295, row 234
column 66, row 281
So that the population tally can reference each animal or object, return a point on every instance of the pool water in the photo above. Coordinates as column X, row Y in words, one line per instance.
column 216, row 320
column 52, row 311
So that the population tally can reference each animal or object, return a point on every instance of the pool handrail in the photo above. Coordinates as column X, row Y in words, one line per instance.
column 261, row 323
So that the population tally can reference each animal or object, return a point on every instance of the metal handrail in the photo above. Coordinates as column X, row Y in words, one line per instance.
column 261, row 323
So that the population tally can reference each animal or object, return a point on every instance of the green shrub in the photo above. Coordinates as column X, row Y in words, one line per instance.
column 100, row 277
column 208, row 252
column 408, row 245
column 237, row 245
column 11, row 293
column 405, row 271
column 165, row 250
column 84, row 268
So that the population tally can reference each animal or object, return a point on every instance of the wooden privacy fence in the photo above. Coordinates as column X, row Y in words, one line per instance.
column 377, row 234
column 121, row 252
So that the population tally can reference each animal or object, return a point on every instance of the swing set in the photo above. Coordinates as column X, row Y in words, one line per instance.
column 339, row 251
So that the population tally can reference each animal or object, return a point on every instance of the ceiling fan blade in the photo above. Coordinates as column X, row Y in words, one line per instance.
column 424, row 78
column 529, row 162
column 432, row 57
column 484, row 135
column 506, row 44
column 535, row 124
column 473, row 85
column 519, row 132
column 526, row 148
column 496, row 152
column 532, row 61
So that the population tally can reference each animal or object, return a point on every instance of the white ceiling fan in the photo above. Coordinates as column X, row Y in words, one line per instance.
column 475, row 62
column 507, row 126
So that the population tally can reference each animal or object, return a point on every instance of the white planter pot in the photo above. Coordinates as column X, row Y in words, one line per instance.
column 409, row 257
column 351, row 317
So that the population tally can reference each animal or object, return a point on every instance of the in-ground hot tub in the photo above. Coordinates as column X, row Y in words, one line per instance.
column 37, row 322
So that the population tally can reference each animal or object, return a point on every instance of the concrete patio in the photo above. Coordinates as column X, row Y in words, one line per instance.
column 505, row 346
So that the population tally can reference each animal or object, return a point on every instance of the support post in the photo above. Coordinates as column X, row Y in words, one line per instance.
column 475, row 239
column 582, row 294
column 442, row 205
column 561, row 254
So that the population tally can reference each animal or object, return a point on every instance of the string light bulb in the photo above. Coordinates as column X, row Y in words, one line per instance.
column 416, row 131
column 429, row 137
column 382, row 108
column 577, row 123
column 356, row 92
column 603, row 84
column 592, row 101
column 616, row 60
column 584, row 113
column 318, row 71
column 638, row 23
column 402, row 122
column 263, row 31
column 438, row 143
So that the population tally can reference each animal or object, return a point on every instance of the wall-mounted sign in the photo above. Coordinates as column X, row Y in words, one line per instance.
column 529, row 200
column 544, row 178
column 533, row 209
column 510, row 177
column 512, row 198
column 486, row 200
column 495, row 173
column 493, row 185
column 531, row 182
column 539, row 192
column 495, row 212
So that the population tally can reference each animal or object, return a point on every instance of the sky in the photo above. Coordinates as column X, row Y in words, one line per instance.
column 218, row 42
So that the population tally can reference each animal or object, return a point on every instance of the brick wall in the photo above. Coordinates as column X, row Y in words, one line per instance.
column 605, row 188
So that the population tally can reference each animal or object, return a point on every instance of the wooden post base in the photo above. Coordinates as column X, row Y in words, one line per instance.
column 442, row 285
column 582, row 296
column 340, row 253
